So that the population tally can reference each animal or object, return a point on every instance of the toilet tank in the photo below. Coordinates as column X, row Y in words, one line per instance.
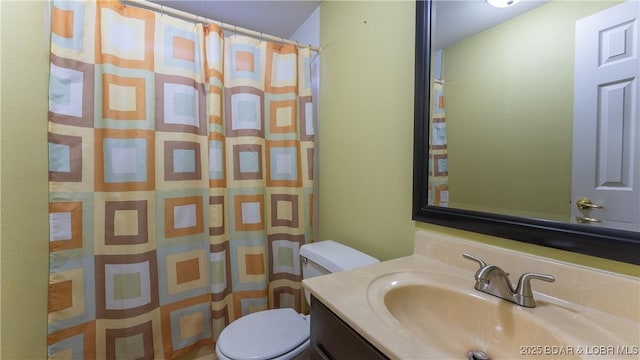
column 328, row 256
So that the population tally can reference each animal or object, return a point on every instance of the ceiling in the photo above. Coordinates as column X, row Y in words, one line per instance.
column 454, row 19
column 277, row 18
column 458, row 19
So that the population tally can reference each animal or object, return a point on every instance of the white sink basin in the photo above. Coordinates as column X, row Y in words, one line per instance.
column 446, row 313
column 424, row 306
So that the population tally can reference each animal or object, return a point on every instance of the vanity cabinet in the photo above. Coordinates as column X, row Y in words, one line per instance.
column 332, row 338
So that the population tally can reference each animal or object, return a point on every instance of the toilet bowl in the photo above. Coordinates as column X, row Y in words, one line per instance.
column 283, row 334
column 270, row 334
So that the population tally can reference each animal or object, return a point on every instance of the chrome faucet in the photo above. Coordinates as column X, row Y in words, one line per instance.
column 493, row 280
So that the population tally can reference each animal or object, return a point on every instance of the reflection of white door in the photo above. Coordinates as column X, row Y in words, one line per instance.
column 606, row 130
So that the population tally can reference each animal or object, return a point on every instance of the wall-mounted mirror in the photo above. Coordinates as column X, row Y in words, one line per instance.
column 524, row 112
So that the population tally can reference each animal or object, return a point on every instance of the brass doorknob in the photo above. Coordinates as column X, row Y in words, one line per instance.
column 585, row 203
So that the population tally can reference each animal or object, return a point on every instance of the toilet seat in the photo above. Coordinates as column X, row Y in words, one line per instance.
column 264, row 335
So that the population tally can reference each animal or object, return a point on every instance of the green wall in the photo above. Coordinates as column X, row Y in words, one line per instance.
column 24, row 230
column 366, row 125
column 509, row 97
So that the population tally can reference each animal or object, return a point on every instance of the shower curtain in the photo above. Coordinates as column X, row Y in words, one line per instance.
column 438, row 193
column 180, row 177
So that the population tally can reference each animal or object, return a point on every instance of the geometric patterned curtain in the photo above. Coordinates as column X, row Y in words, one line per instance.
column 180, row 177
column 438, row 193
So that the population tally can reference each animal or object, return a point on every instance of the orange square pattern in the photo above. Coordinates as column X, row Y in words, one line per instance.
column 245, row 61
column 75, row 208
column 169, row 224
column 278, row 49
column 140, row 113
column 254, row 264
column 63, row 23
column 126, row 12
column 238, row 200
column 187, row 270
column 183, row 49
column 60, row 296
column 273, row 109
column 217, row 117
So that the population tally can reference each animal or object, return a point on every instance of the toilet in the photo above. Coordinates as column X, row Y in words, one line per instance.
column 283, row 334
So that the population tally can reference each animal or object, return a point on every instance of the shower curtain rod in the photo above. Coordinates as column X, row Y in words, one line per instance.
column 197, row 18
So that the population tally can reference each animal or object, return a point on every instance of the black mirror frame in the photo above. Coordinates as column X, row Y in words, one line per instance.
column 611, row 244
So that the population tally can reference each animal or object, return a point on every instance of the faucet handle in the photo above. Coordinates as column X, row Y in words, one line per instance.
column 476, row 259
column 524, row 284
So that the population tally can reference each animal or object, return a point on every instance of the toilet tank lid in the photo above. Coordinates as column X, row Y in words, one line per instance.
column 334, row 256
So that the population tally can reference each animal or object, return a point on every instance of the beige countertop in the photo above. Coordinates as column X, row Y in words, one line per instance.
column 608, row 301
